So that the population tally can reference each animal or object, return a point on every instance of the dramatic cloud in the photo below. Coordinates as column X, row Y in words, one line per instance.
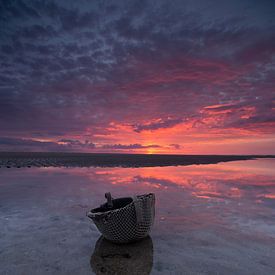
column 89, row 74
column 11, row 144
column 158, row 124
column 129, row 146
column 175, row 146
column 17, row 144
column 76, row 143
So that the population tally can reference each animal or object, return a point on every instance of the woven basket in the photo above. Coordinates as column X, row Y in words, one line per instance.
column 125, row 220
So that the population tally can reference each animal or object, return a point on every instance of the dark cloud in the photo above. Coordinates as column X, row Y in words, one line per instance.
column 69, row 66
column 17, row 144
column 77, row 143
column 129, row 146
column 175, row 146
column 168, row 123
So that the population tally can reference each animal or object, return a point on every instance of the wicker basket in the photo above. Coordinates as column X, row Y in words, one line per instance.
column 125, row 220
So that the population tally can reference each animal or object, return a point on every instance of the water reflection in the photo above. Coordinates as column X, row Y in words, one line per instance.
column 123, row 259
column 203, row 212
column 217, row 191
column 212, row 194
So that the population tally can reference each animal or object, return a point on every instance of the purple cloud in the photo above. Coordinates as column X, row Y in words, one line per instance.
column 175, row 146
column 77, row 143
column 17, row 144
column 129, row 146
column 168, row 123
column 73, row 70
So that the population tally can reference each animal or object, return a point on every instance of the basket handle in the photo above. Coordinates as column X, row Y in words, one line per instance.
column 89, row 214
column 138, row 209
column 109, row 200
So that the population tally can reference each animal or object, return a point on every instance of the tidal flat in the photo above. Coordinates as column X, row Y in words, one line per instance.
column 214, row 218
column 43, row 159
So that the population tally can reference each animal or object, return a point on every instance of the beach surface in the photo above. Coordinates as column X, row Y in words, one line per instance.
column 210, row 219
column 17, row 159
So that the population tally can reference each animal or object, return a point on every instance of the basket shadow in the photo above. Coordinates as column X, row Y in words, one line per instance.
column 123, row 259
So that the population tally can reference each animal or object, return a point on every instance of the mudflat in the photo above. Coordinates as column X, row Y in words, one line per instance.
column 41, row 159
column 210, row 219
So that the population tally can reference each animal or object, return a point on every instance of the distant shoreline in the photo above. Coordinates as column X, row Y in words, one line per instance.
column 56, row 159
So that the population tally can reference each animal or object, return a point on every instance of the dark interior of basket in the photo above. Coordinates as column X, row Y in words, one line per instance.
column 117, row 203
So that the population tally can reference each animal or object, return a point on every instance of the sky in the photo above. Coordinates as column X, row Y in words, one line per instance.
column 173, row 77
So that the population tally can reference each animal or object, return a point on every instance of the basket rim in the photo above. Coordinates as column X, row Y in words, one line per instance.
column 97, row 214
column 111, row 210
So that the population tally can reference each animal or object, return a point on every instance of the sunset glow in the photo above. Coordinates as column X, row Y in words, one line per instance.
column 138, row 77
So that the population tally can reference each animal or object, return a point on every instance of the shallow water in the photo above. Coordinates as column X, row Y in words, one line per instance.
column 210, row 219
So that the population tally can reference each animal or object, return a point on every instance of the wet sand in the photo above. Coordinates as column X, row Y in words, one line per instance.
column 210, row 219
column 12, row 159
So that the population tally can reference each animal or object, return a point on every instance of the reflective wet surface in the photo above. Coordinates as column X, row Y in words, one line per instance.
column 133, row 258
column 210, row 219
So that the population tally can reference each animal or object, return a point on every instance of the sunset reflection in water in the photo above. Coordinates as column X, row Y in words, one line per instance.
column 252, row 180
column 232, row 188
column 227, row 192
column 220, row 210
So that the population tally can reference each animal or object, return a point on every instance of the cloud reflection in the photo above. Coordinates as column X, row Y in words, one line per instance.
column 187, row 196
